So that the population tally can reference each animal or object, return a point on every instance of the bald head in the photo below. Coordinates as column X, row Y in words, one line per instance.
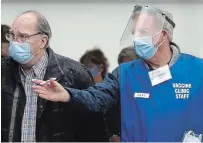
column 42, row 24
column 25, row 24
column 31, row 22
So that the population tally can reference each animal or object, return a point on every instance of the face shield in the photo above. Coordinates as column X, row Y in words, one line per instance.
column 144, row 29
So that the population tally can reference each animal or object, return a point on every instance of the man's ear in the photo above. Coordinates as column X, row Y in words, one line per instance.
column 165, row 34
column 44, row 41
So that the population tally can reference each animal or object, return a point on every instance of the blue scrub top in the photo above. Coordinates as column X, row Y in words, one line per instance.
column 173, row 107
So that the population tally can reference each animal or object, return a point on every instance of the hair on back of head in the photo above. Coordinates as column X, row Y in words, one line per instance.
column 96, row 56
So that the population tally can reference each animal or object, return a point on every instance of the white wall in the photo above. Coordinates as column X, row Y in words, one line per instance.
column 77, row 27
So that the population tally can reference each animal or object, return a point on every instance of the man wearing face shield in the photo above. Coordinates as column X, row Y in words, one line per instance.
column 160, row 95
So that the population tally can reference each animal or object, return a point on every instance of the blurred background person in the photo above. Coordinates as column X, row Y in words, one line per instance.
column 4, row 42
column 98, row 65
column 127, row 54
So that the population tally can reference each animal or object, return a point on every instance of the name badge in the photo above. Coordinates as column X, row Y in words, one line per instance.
column 141, row 95
column 160, row 75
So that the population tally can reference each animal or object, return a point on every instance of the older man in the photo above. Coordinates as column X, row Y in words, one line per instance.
column 25, row 117
column 161, row 96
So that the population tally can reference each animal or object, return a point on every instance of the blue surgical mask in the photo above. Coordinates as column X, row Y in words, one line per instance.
column 94, row 70
column 20, row 52
column 144, row 47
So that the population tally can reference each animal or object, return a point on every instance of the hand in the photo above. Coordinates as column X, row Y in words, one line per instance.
column 51, row 90
column 115, row 138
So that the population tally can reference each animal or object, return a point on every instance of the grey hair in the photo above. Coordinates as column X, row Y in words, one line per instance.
column 42, row 25
column 167, row 26
column 127, row 52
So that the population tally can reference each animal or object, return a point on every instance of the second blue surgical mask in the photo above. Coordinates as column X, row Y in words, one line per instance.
column 94, row 70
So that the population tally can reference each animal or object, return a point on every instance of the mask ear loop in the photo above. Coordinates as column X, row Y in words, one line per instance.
column 100, row 67
column 162, row 41
column 37, row 52
column 156, row 33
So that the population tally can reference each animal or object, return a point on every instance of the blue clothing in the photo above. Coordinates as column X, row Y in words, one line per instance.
column 166, row 115
column 173, row 107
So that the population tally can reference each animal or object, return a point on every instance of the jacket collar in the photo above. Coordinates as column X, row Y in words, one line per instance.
column 54, row 69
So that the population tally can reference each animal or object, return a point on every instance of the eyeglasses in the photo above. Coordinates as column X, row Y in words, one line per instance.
column 23, row 38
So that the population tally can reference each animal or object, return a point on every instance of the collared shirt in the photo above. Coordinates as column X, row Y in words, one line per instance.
column 28, row 128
